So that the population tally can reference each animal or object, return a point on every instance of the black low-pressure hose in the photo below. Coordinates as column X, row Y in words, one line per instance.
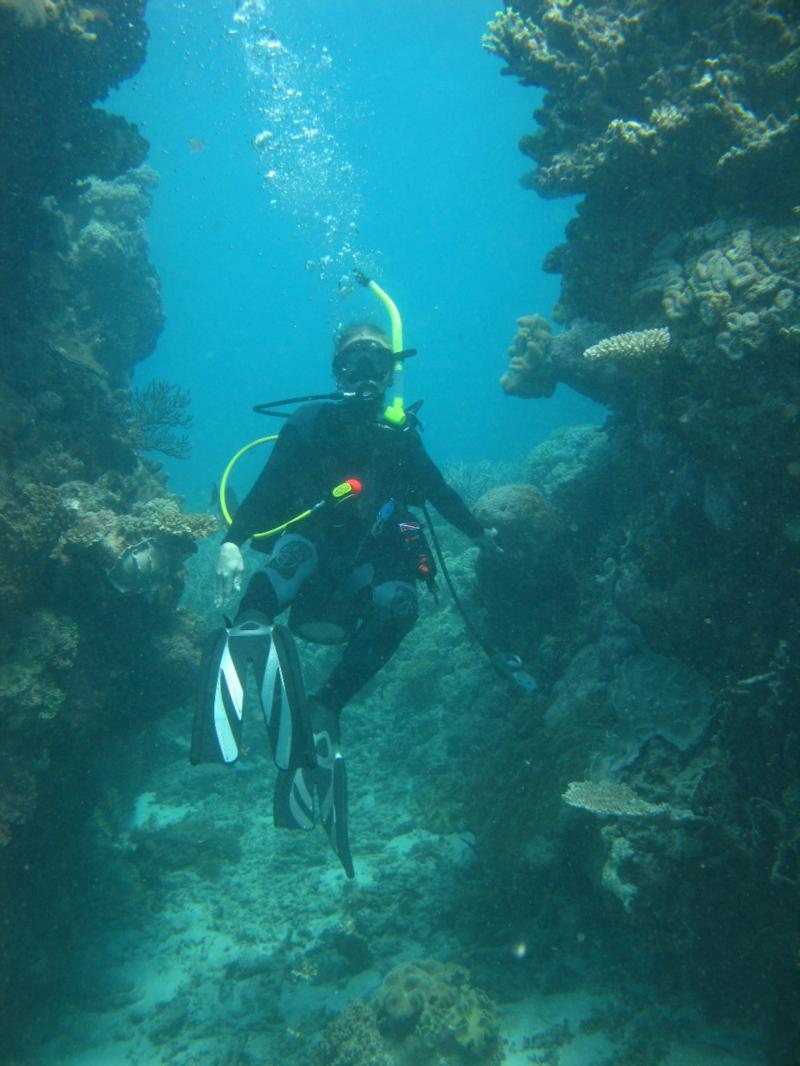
column 267, row 408
column 508, row 665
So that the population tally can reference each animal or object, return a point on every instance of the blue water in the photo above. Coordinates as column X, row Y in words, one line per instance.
column 417, row 143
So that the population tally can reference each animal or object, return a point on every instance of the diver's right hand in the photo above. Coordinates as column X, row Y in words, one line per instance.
column 487, row 542
column 230, row 567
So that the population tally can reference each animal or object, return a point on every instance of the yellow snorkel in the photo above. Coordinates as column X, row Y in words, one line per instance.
column 395, row 413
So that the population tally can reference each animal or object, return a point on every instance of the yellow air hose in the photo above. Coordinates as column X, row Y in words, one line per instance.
column 347, row 489
column 223, row 485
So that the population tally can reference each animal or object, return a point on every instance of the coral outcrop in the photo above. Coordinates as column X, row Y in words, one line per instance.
column 660, row 115
column 98, row 303
column 666, row 695
column 92, row 543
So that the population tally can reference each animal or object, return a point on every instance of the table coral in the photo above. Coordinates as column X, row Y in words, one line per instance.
column 612, row 799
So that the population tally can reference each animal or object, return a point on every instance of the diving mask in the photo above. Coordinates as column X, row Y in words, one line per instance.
column 364, row 361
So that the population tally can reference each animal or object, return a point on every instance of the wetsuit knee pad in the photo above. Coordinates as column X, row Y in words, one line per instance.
column 395, row 604
column 293, row 561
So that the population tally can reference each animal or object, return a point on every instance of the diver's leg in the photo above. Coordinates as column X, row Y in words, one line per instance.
column 392, row 614
column 293, row 561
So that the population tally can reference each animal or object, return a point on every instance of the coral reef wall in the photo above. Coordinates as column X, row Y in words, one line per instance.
column 91, row 541
column 678, row 125
column 662, row 115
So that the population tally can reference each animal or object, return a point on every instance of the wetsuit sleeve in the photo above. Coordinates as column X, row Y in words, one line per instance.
column 270, row 500
column 429, row 480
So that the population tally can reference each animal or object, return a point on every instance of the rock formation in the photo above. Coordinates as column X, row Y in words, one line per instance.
column 678, row 125
column 91, row 541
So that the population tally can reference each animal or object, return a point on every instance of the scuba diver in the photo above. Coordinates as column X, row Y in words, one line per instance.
column 348, row 566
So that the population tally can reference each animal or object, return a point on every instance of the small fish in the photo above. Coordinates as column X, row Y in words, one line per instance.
column 195, row 144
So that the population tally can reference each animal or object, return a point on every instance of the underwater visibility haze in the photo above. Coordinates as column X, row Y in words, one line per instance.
column 526, row 654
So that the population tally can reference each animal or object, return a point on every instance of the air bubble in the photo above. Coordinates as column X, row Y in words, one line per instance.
column 303, row 164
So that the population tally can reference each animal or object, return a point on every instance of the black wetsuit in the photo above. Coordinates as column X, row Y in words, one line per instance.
column 320, row 446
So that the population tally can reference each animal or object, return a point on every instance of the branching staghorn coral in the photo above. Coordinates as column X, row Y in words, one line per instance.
column 638, row 346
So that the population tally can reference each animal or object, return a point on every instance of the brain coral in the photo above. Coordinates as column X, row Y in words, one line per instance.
column 735, row 278
column 533, row 579
column 528, row 527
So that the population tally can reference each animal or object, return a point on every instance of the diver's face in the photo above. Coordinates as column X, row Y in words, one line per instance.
column 365, row 368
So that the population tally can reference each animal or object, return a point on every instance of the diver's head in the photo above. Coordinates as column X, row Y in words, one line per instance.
column 363, row 361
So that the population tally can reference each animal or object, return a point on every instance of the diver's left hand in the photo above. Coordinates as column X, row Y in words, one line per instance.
column 487, row 542
column 230, row 568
